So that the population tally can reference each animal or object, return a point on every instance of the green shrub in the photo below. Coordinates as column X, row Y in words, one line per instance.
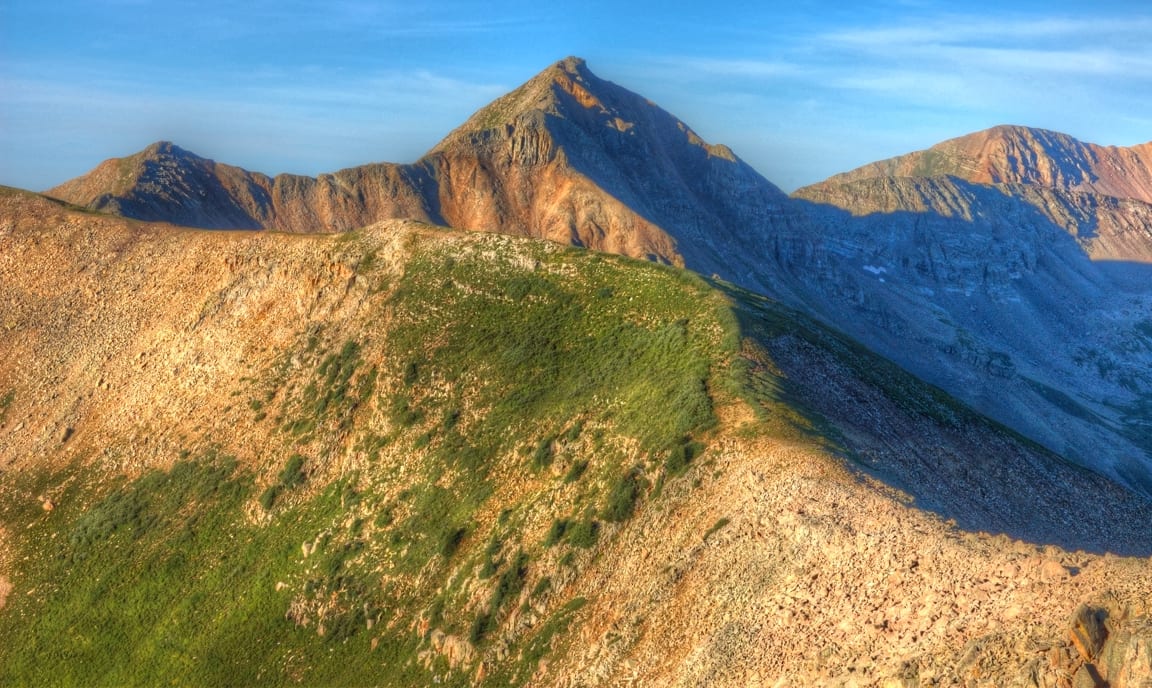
column 556, row 532
column 479, row 627
column 576, row 471
column 293, row 473
column 268, row 497
column 510, row 583
column 507, row 587
column 543, row 586
column 435, row 615
column 681, row 455
column 403, row 414
column 583, row 533
column 411, row 373
column 450, row 541
column 622, row 497
column 716, row 526
column 5, row 402
column 542, row 455
column 573, row 432
column 490, row 566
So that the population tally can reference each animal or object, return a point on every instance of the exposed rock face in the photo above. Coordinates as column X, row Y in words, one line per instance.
column 1107, row 227
column 1113, row 648
column 1125, row 660
column 169, row 184
column 576, row 159
column 1027, row 301
column 567, row 157
column 1017, row 283
column 1023, row 155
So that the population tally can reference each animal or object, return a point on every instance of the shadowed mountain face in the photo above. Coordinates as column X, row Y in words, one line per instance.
column 167, row 183
column 1026, row 297
column 1006, row 266
column 567, row 157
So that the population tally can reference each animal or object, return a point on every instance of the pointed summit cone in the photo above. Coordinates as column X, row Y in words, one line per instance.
column 577, row 159
column 568, row 157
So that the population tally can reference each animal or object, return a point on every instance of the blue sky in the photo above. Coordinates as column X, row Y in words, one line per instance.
column 799, row 89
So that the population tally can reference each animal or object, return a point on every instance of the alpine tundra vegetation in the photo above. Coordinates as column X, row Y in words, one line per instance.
column 580, row 399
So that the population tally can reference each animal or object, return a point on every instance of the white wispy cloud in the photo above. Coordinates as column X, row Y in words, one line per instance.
column 961, row 29
column 911, row 82
column 741, row 68
column 1063, row 47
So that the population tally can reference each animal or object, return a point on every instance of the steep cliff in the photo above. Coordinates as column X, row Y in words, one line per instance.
column 1027, row 298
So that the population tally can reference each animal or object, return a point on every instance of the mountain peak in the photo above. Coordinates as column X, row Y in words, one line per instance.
column 569, row 90
column 167, row 149
column 572, row 65
column 567, row 156
column 552, row 91
column 1014, row 154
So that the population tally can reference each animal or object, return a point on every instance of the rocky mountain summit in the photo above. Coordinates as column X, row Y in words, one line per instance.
column 567, row 156
column 1004, row 266
column 1024, row 155
column 477, row 458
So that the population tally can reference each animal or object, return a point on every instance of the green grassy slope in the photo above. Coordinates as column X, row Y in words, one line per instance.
column 513, row 403
column 436, row 471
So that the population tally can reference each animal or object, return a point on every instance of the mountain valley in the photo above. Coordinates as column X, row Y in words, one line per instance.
column 470, row 421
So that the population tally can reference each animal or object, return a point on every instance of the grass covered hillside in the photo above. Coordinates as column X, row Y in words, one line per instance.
column 411, row 456
column 402, row 481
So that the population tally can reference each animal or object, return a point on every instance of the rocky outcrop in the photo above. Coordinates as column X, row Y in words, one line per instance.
column 1125, row 659
column 1110, row 647
column 1106, row 228
column 1023, row 155
column 166, row 183
column 567, row 157
column 1017, row 297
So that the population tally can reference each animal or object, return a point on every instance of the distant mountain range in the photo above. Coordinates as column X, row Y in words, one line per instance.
column 1006, row 266
column 1012, row 268
column 567, row 157
column 1022, row 155
column 364, row 448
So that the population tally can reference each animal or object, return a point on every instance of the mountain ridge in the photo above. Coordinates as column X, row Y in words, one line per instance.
column 952, row 278
column 422, row 456
column 1012, row 154
column 567, row 157
column 410, row 454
